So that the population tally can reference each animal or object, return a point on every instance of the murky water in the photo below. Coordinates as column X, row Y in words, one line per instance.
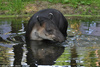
column 81, row 49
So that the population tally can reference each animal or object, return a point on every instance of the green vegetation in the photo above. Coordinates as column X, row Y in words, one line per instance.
column 63, row 58
column 75, row 2
column 12, row 6
column 14, row 16
column 85, row 6
column 4, row 60
column 17, row 7
column 89, row 59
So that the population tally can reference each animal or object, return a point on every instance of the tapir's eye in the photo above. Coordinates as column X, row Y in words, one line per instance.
column 50, row 31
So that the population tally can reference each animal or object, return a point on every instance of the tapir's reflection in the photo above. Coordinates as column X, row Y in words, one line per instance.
column 43, row 53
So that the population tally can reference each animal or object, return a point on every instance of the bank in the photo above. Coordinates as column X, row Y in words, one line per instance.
column 28, row 16
column 69, row 8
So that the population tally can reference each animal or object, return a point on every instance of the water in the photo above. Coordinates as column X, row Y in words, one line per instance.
column 81, row 49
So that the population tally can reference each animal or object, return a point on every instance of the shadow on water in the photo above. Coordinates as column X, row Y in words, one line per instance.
column 42, row 53
column 82, row 47
column 38, row 53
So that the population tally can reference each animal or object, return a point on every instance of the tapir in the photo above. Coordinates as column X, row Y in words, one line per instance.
column 47, row 24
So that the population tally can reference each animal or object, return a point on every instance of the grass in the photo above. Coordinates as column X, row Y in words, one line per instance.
column 90, row 7
column 13, row 16
column 13, row 7
column 75, row 2
column 26, row 15
column 16, row 7
column 84, row 15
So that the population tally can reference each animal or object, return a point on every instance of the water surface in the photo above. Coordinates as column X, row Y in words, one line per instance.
column 81, row 49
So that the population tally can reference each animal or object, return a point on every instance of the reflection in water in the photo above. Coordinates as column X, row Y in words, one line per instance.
column 81, row 50
column 18, row 52
column 90, row 28
column 39, row 53
column 4, row 53
column 43, row 53
column 73, row 56
column 97, row 52
column 11, row 28
column 5, row 28
column 19, row 55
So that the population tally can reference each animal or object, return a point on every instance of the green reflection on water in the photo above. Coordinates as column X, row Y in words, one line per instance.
column 82, row 49
column 87, row 45
column 63, row 59
column 5, row 56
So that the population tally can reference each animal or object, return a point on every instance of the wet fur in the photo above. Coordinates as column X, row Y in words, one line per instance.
column 33, row 26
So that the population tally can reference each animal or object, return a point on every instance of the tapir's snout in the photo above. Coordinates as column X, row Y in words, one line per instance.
column 59, row 40
column 59, row 37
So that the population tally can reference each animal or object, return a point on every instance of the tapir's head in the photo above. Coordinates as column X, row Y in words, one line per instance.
column 47, row 29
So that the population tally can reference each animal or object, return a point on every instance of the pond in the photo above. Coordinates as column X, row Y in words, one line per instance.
column 81, row 49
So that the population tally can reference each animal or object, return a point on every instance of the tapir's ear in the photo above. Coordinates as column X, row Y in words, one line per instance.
column 51, row 16
column 39, row 20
